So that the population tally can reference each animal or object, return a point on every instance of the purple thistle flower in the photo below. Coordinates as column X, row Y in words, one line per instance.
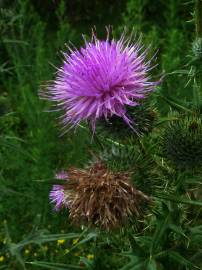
column 61, row 175
column 100, row 80
column 57, row 196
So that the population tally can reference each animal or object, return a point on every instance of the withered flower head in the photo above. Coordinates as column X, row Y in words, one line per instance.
column 99, row 197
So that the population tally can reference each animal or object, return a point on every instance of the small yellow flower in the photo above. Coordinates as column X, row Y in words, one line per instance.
column 75, row 241
column 2, row 258
column 26, row 251
column 61, row 241
column 90, row 256
column 67, row 250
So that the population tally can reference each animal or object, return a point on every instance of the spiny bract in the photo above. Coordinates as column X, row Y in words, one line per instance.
column 143, row 117
column 182, row 142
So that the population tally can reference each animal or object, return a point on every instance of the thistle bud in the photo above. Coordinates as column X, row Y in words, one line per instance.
column 182, row 142
column 143, row 118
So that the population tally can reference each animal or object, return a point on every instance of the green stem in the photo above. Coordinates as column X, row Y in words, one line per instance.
column 198, row 26
column 198, row 18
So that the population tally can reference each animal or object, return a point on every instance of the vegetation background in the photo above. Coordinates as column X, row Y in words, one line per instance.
column 32, row 35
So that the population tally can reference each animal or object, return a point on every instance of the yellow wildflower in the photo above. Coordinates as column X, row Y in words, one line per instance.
column 27, row 251
column 61, row 241
column 2, row 258
column 75, row 241
column 90, row 256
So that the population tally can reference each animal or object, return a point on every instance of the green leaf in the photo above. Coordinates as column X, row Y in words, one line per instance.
column 38, row 238
column 87, row 263
column 163, row 120
column 175, row 104
column 196, row 234
column 90, row 236
column 162, row 226
column 54, row 237
column 177, row 230
column 54, row 266
column 151, row 265
column 180, row 259
column 133, row 261
column 173, row 198
column 137, row 266
column 196, row 229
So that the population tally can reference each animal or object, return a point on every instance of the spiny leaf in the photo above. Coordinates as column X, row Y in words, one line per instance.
column 173, row 198
column 39, row 238
column 177, row 229
column 134, row 266
column 133, row 260
column 151, row 265
column 88, row 237
column 175, row 104
column 180, row 259
column 54, row 266
column 159, row 233
column 196, row 234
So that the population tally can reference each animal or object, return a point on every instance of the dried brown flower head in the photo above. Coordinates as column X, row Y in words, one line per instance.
column 99, row 197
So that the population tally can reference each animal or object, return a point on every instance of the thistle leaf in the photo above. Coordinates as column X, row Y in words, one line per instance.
column 54, row 266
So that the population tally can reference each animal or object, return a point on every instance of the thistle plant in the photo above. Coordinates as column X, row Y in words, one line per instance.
column 141, row 159
column 126, row 194
column 108, row 80
column 197, row 47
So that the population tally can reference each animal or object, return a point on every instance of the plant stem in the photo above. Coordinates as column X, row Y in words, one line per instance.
column 198, row 18
column 198, row 26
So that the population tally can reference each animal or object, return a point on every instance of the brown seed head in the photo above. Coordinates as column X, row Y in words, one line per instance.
column 101, row 197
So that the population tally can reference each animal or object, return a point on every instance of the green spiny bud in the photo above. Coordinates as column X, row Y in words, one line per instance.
column 130, row 158
column 143, row 118
column 182, row 142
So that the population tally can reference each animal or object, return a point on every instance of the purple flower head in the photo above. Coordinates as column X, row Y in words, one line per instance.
column 61, row 175
column 57, row 196
column 100, row 80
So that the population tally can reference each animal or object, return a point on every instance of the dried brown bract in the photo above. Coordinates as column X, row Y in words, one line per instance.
column 99, row 197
